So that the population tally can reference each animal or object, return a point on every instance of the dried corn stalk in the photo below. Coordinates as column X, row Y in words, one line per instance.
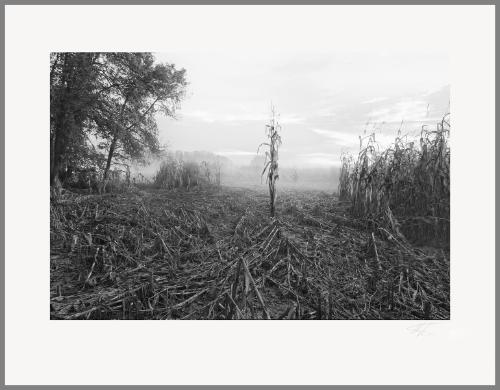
column 271, row 162
column 406, row 184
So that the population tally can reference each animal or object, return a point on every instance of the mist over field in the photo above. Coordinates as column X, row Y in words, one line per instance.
column 248, row 174
column 250, row 185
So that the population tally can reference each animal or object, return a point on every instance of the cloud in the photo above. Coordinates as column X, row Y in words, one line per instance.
column 211, row 117
column 325, row 99
column 290, row 119
column 325, row 112
column 383, row 137
column 375, row 100
column 342, row 139
column 441, row 91
column 405, row 110
column 319, row 159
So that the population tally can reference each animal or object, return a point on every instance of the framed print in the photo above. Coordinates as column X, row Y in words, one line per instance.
column 307, row 187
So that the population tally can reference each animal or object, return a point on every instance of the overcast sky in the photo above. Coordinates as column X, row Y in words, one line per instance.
column 326, row 99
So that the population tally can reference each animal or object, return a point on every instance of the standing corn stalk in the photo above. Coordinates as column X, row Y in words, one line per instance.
column 405, row 187
column 271, row 163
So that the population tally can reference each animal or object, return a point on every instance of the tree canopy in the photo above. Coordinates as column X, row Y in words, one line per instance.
column 103, row 108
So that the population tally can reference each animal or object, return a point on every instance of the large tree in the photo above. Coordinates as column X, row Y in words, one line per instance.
column 111, row 98
column 143, row 88
column 73, row 87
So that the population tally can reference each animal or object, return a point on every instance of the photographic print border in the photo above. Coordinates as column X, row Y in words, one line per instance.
column 215, row 2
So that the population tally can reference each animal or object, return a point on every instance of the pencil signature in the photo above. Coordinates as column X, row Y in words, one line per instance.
column 421, row 329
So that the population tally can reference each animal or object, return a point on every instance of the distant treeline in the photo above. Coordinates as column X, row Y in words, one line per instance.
column 172, row 169
column 102, row 110
column 290, row 175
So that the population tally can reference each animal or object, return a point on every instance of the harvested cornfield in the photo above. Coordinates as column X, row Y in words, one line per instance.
column 214, row 253
column 405, row 187
column 140, row 230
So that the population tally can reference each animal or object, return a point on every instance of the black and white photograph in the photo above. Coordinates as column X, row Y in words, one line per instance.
column 294, row 185
column 250, row 194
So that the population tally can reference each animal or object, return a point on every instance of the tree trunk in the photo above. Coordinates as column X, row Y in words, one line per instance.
column 59, row 144
column 112, row 147
column 110, row 157
column 58, row 141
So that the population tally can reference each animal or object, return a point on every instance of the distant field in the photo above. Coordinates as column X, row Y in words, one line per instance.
column 324, row 185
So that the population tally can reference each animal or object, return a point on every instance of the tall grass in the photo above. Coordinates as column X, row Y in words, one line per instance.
column 176, row 173
column 405, row 187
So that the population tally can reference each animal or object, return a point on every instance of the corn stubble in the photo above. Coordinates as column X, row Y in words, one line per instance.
column 187, row 251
